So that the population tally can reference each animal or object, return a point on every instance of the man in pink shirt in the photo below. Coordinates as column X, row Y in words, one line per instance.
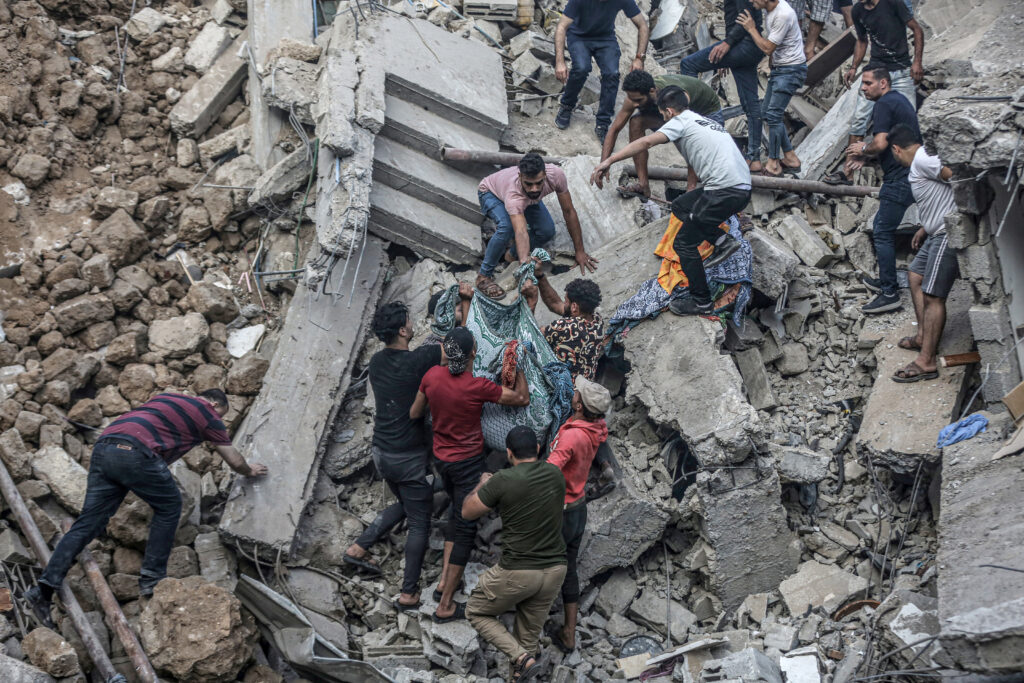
column 573, row 451
column 512, row 199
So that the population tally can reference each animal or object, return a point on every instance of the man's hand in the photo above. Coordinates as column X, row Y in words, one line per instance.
column 916, row 72
column 856, row 149
column 585, row 261
column 718, row 52
column 484, row 476
column 746, row 21
column 852, row 164
column 257, row 469
column 849, row 77
column 600, row 174
column 919, row 237
column 561, row 72
column 637, row 65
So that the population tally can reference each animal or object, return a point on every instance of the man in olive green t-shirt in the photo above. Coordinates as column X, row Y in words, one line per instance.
column 640, row 111
column 529, row 497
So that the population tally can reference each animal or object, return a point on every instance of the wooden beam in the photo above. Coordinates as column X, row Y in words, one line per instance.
column 830, row 58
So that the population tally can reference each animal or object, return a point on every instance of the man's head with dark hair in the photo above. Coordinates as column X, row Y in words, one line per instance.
column 639, row 87
column 389, row 320
column 875, row 82
column 532, row 175
column 432, row 303
column 585, row 294
column 218, row 398
column 904, row 143
column 672, row 101
column 521, row 443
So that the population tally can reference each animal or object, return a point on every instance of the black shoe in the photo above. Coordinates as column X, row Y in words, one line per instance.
column 837, row 178
column 882, row 303
column 563, row 116
column 601, row 132
column 40, row 606
column 689, row 306
column 872, row 283
column 722, row 251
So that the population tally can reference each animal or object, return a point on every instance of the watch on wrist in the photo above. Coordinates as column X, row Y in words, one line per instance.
column 642, row 55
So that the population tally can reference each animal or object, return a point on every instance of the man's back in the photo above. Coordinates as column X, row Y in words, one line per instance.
column 577, row 342
column 170, row 425
column 890, row 109
column 703, row 99
column 933, row 195
column 529, row 498
column 885, row 25
column 709, row 150
column 395, row 376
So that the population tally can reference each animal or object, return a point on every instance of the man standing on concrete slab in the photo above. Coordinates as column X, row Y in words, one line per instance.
column 572, row 452
column 741, row 55
column 711, row 152
column 784, row 46
column 884, row 24
column 588, row 26
column 456, row 399
column 400, row 449
column 511, row 198
column 934, row 270
column 640, row 110
column 529, row 497
column 890, row 109
column 134, row 454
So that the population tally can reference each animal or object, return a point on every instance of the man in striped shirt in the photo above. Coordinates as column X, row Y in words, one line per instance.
column 133, row 454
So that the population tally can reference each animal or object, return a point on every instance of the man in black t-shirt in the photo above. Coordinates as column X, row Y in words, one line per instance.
column 400, row 449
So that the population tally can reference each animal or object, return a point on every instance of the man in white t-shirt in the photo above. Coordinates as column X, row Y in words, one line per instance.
column 784, row 44
column 934, row 269
column 710, row 151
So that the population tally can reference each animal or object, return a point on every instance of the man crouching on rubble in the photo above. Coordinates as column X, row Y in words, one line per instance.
column 529, row 496
column 133, row 454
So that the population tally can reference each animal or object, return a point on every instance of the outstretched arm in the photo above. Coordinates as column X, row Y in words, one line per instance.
column 572, row 224
column 236, row 462
column 640, row 145
column 643, row 32
column 561, row 71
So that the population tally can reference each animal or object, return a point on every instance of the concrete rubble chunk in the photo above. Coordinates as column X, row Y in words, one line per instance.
column 178, row 337
column 120, row 238
column 47, row 650
column 216, row 304
column 216, row 563
column 423, row 227
column 13, row 550
column 454, row 645
column 616, row 593
column 334, row 106
column 208, row 44
column 755, row 379
column 291, row 85
column 820, row 585
column 802, row 239
column 800, row 668
column 281, row 179
column 15, row 671
column 110, row 199
column 198, row 108
column 15, row 456
column 650, row 609
column 65, row 477
column 145, row 23
column 774, row 263
column 798, row 465
column 826, row 141
column 746, row 666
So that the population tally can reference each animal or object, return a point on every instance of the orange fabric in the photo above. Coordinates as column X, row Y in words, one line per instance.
column 671, row 274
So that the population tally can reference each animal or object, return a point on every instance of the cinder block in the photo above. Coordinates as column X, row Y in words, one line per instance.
column 961, row 229
column 990, row 323
column 979, row 262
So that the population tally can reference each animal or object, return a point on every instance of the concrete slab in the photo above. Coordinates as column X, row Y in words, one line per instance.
column 418, row 175
column 902, row 421
column 198, row 108
column 343, row 194
column 287, row 425
column 423, row 227
column 755, row 379
column 821, row 585
column 420, row 128
column 823, row 145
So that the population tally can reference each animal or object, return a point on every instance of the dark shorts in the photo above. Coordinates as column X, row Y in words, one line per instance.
column 936, row 263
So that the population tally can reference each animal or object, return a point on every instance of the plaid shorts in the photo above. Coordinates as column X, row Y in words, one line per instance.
column 821, row 10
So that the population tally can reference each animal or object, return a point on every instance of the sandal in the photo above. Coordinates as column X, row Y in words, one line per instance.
column 363, row 565
column 837, row 178
column 457, row 615
column 402, row 607
column 768, row 174
column 909, row 343
column 524, row 670
column 791, row 170
column 914, row 373
column 489, row 288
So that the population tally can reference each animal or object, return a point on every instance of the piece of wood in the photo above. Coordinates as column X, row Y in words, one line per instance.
column 830, row 58
column 806, row 111
column 955, row 359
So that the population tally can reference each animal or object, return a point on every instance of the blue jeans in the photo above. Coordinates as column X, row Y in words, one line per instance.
column 116, row 468
column 742, row 59
column 783, row 82
column 605, row 51
column 893, row 200
column 539, row 226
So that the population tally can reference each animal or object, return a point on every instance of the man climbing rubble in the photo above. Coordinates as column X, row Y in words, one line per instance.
column 640, row 110
column 934, row 270
column 710, row 150
column 589, row 30
column 456, row 400
column 400, row 447
column 134, row 454
column 529, row 496
column 511, row 198
column 895, row 196
column 572, row 452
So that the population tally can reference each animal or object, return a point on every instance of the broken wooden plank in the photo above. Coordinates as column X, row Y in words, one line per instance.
column 830, row 58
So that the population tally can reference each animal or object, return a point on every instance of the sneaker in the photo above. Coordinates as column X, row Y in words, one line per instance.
column 872, row 283
column 40, row 606
column 689, row 306
column 722, row 251
column 563, row 116
column 882, row 304
column 601, row 132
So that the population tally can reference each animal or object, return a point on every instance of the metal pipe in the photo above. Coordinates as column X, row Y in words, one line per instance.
column 143, row 668
column 669, row 173
column 42, row 553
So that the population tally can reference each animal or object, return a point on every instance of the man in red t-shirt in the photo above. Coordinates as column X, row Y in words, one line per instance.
column 456, row 399
column 573, row 451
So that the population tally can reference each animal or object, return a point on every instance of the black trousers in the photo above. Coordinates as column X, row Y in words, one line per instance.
column 574, row 522
column 459, row 479
column 701, row 212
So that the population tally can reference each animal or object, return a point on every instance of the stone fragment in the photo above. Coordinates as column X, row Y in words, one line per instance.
column 110, row 199
column 137, row 382
column 292, row 87
column 98, row 335
column 194, row 224
column 650, row 608
column 246, row 375
column 28, row 423
column 746, row 666
column 244, row 340
column 15, row 671
column 97, row 271
column 170, row 61
column 50, row 652
column 221, row 11
column 755, row 379
column 33, row 169
column 820, row 585
column 178, row 337
column 123, row 295
column 281, row 179
column 124, row 349
column 297, row 49
column 207, row 45
column 794, row 359
column 780, row 636
column 12, row 549
column 217, row 304
column 800, row 668
column 78, row 313
column 799, row 465
column 65, row 477
column 145, row 23
column 216, row 563
column 86, row 411
column 111, row 402
column 120, row 238
column 616, row 594
column 15, row 456
column 198, row 108
column 801, row 238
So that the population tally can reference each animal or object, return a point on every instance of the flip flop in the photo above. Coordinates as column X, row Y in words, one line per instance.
column 909, row 343
column 521, row 672
column 837, row 178
column 363, row 565
column 458, row 615
column 904, row 376
column 402, row 607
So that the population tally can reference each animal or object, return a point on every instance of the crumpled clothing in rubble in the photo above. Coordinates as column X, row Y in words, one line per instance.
column 962, row 430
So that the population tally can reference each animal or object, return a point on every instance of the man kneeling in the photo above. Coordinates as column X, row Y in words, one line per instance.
column 529, row 497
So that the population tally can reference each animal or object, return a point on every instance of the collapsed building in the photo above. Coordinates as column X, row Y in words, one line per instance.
column 221, row 196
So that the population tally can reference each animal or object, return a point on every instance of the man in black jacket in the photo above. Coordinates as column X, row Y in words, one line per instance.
column 741, row 55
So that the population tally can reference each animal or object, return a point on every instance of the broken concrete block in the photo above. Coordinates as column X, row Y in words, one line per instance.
column 120, row 238
column 208, row 44
column 15, row 456
column 65, row 477
column 233, row 139
column 826, row 141
column 221, row 10
column 802, row 239
column 748, row 666
column 15, row 671
column 178, row 337
column 616, row 594
column 216, row 563
column 13, row 550
column 801, row 668
column 539, row 44
column 794, row 360
column 453, row 646
column 281, row 179
column 755, row 379
column 198, row 108
column 650, row 609
column 798, row 465
column 780, row 636
column 820, row 585
column 50, row 652
column 145, row 23
column 291, row 85
column 334, row 110
column 110, row 199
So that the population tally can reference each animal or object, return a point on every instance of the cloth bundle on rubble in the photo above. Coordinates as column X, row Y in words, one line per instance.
column 508, row 338
column 730, row 282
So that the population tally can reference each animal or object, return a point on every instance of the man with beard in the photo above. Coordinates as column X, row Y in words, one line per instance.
column 512, row 199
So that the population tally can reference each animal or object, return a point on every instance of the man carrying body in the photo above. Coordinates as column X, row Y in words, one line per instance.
column 400, row 450
column 710, row 150
column 741, row 55
column 133, row 454
column 934, row 270
column 589, row 29
column 529, row 497
column 572, row 452
column 884, row 23
column 640, row 109
column 890, row 108
column 511, row 198
column 784, row 46
column 456, row 400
